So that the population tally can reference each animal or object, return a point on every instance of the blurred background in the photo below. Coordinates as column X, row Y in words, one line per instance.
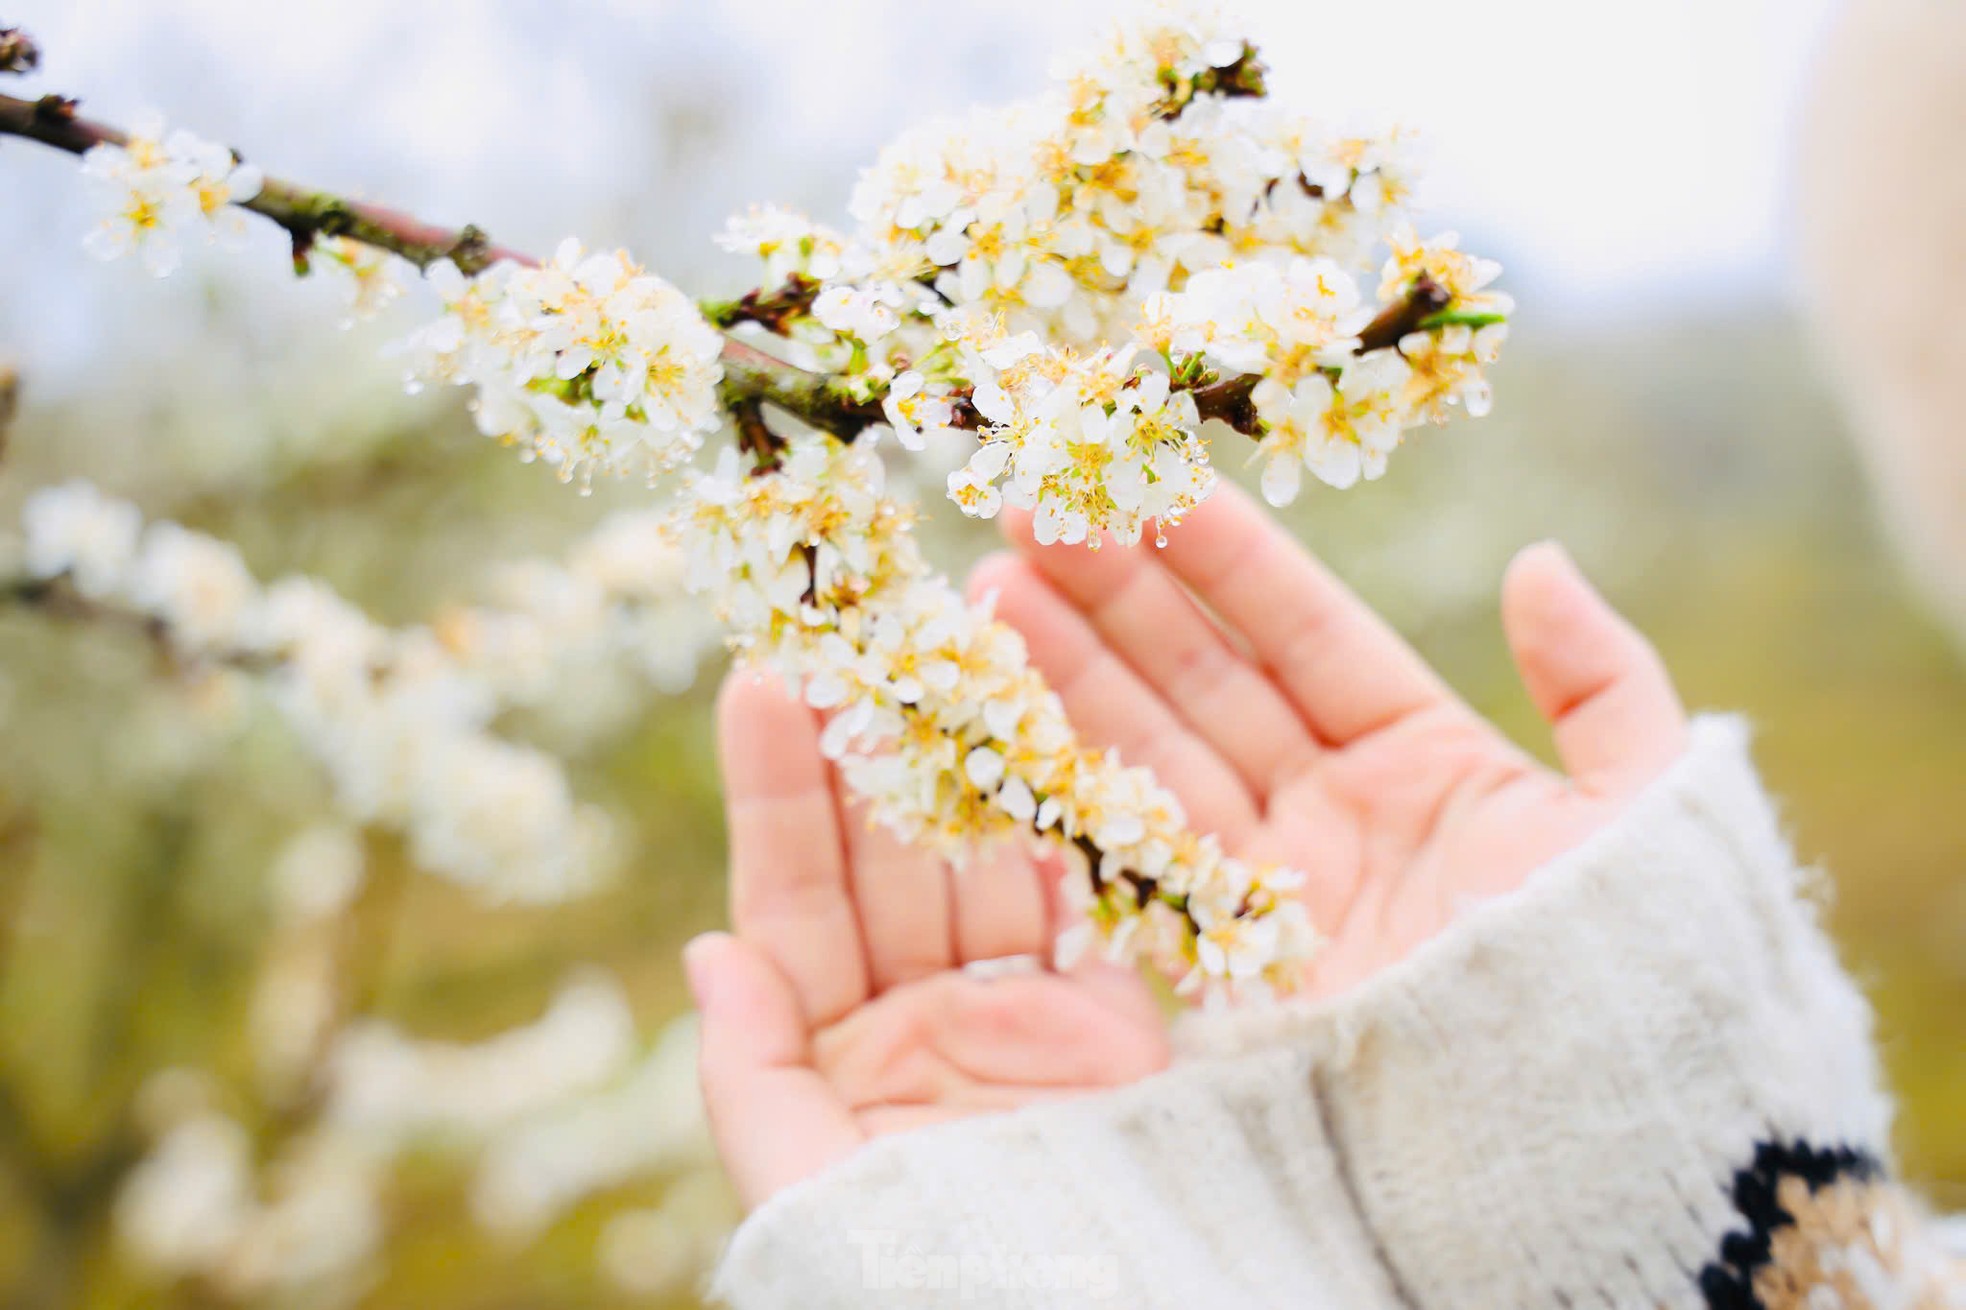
column 1644, row 172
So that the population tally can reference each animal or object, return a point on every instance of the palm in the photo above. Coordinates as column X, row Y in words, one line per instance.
column 851, row 1002
column 1399, row 828
column 951, row 1045
column 1288, row 719
column 1293, row 722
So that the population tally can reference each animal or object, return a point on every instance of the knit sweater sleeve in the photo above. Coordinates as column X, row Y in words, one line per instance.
column 1639, row 1080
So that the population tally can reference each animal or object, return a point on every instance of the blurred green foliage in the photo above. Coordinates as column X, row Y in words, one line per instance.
column 1693, row 465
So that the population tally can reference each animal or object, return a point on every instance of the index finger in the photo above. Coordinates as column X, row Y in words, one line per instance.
column 1344, row 669
column 789, row 895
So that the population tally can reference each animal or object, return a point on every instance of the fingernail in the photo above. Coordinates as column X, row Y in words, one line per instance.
column 696, row 968
column 1556, row 551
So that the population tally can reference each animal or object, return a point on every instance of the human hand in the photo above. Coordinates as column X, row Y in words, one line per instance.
column 840, row 1009
column 1299, row 728
column 1304, row 731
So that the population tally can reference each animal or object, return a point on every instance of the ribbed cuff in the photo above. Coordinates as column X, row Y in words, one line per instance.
column 1209, row 1185
column 1550, row 1103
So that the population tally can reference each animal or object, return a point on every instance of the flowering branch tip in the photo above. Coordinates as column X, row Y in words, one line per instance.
column 1063, row 291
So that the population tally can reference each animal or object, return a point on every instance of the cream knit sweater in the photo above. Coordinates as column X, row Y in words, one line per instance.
column 1640, row 1080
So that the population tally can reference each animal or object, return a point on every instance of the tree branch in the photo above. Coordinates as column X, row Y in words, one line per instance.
column 772, row 310
column 820, row 399
column 1229, row 400
column 57, row 598
column 9, row 402
column 306, row 214
column 751, row 376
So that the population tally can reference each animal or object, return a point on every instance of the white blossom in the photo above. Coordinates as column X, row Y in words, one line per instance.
column 1091, row 445
column 649, row 1119
column 199, row 586
column 398, row 718
column 864, row 313
column 787, row 241
column 318, row 872
column 185, row 1204
column 391, row 1086
column 164, row 187
column 75, row 530
column 919, row 411
column 667, row 1248
column 502, row 818
column 588, row 362
column 370, row 280
column 194, row 1207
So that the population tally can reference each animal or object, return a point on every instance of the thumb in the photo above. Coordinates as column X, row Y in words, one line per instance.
column 1600, row 685
column 774, row 1119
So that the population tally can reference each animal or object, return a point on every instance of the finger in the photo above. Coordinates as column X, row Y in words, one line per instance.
column 1348, row 674
column 1607, row 697
column 901, row 894
column 774, row 1119
column 999, row 904
column 1108, row 703
column 789, row 895
column 1152, row 623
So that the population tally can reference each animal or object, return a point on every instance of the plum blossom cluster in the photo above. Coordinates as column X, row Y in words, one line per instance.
column 398, row 718
column 614, row 599
column 196, row 1206
column 549, row 1113
column 1323, row 402
column 1449, row 350
column 542, row 1116
column 395, row 1088
column 1020, row 274
column 645, row 1117
column 588, row 362
column 1078, row 294
column 1092, row 444
column 940, row 725
column 1155, row 157
column 163, row 188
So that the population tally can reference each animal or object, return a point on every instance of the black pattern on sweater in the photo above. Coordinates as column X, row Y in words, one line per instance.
column 1728, row 1283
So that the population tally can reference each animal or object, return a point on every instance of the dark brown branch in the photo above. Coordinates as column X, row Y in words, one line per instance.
column 749, row 373
column 1424, row 298
column 772, row 310
column 1144, row 888
column 306, row 214
column 9, row 402
column 1229, row 400
column 1243, row 78
column 58, row 599
column 825, row 401
column 754, row 438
